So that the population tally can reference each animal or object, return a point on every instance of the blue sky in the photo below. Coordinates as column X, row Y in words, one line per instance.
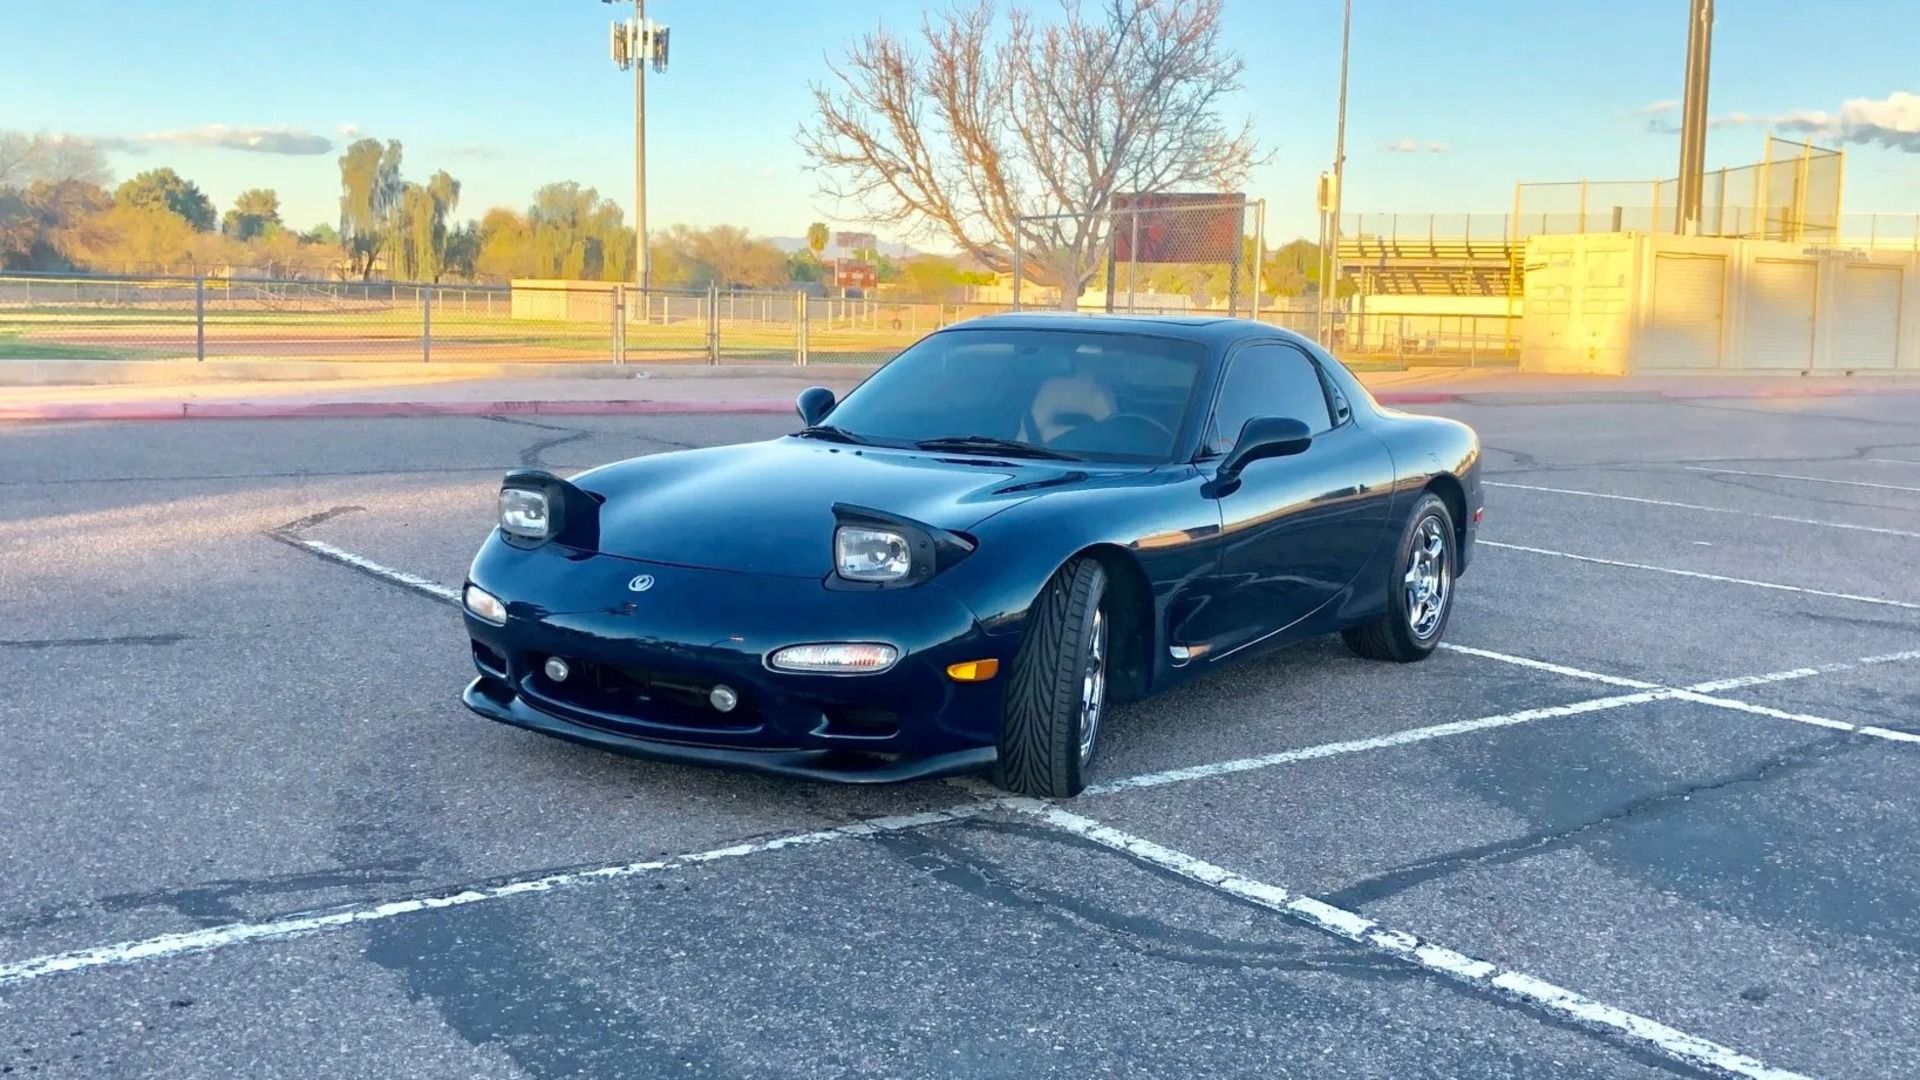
column 509, row 94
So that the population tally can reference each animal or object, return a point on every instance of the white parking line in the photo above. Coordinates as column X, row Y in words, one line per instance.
column 1670, row 1042
column 1870, row 730
column 1810, row 479
column 1714, row 686
column 363, row 564
column 1542, row 665
column 1708, row 509
column 1378, row 742
column 1881, row 600
column 293, row 926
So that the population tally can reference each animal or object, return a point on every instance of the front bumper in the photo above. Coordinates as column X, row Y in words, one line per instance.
column 491, row 699
column 643, row 664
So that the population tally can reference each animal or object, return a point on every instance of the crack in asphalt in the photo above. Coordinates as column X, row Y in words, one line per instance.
column 89, row 642
column 211, row 903
column 1357, row 895
column 991, row 882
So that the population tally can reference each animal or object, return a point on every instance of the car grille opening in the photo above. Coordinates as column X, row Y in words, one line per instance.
column 489, row 661
column 648, row 695
column 862, row 722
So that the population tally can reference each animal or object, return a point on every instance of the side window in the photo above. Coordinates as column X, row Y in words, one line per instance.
column 1267, row 380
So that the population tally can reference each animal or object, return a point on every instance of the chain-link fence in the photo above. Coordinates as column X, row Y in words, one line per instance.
column 1791, row 194
column 1149, row 253
column 156, row 317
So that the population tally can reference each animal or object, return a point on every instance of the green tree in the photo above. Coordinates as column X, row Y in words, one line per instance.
column 165, row 189
column 420, row 227
column 369, row 193
column 323, row 233
column 817, row 238
column 462, row 250
column 576, row 234
column 253, row 212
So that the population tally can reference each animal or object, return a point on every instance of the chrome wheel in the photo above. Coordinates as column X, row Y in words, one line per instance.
column 1093, row 686
column 1429, row 578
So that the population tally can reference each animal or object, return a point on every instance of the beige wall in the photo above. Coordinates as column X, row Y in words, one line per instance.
column 1620, row 303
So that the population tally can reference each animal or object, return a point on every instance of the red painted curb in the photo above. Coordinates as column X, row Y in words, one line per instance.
column 255, row 410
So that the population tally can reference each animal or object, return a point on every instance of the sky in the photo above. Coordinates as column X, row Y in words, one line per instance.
column 1450, row 103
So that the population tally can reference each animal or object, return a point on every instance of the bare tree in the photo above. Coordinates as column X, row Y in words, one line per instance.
column 967, row 135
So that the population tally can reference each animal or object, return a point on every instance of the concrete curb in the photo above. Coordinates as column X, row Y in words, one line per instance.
column 251, row 410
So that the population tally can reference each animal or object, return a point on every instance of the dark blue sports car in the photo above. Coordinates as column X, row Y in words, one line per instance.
column 1015, row 521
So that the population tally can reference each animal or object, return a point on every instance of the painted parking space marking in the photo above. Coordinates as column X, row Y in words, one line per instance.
column 1703, row 576
column 1378, row 742
column 165, row 946
column 1703, row 693
column 1708, row 509
column 1674, row 1044
column 1809, row 479
column 1551, row 668
column 1873, row 731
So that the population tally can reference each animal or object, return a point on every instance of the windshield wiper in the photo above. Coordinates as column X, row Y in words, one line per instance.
column 832, row 434
column 989, row 444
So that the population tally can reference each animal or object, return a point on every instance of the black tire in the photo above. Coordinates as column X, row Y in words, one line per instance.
column 1067, row 645
column 1398, row 635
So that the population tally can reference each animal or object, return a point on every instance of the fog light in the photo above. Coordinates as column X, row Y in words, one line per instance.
column 849, row 658
column 723, row 698
column 485, row 606
column 557, row 669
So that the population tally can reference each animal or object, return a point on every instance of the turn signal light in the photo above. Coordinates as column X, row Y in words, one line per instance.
column 973, row 670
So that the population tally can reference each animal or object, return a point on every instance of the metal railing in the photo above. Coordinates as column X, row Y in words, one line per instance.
column 161, row 317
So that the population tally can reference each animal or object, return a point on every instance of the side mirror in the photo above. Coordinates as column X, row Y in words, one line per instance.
column 813, row 404
column 1265, row 437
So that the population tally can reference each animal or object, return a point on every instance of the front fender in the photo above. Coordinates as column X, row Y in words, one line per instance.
column 1160, row 522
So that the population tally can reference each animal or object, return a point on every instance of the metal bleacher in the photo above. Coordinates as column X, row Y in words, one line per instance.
column 1431, row 254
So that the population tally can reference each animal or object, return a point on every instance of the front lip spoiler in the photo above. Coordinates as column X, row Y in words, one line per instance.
column 835, row 766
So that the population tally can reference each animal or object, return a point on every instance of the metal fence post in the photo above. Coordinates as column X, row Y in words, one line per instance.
column 713, row 322
column 619, row 341
column 426, row 325
column 800, row 324
column 199, row 316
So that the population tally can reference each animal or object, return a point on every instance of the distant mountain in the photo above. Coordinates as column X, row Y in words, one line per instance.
column 791, row 244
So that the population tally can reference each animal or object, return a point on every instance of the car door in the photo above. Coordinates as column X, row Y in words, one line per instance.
column 1296, row 530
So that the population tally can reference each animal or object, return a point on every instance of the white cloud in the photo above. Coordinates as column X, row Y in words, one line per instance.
column 257, row 140
column 347, row 131
column 1414, row 146
column 1892, row 122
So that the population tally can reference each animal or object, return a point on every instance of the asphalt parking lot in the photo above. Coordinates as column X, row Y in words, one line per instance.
column 1653, row 816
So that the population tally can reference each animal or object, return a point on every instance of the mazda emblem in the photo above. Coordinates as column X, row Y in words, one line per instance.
column 641, row 583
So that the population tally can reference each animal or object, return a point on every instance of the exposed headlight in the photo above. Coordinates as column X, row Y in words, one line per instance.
column 867, row 554
column 852, row 658
column 485, row 606
column 525, row 513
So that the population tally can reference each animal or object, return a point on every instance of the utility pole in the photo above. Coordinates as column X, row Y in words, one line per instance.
column 640, row 44
column 1330, row 250
column 1693, row 118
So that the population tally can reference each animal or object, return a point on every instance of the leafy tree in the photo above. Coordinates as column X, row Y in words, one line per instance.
column 726, row 255
column 322, row 233
column 804, row 265
column 50, row 224
column 506, row 245
column 817, row 236
column 462, row 250
column 253, row 212
column 420, row 227
column 165, row 189
column 576, row 234
column 990, row 120
column 369, row 192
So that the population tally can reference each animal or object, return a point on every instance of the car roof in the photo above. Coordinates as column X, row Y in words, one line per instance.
column 1212, row 329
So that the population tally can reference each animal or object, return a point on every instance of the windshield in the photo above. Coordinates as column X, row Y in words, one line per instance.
column 1091, row 395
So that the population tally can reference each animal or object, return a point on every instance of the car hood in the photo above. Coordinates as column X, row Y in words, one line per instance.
column 768, row 507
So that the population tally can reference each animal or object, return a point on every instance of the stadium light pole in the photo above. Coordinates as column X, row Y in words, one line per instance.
column 639, row 44
column 1330, row 249
column 1693, row 117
